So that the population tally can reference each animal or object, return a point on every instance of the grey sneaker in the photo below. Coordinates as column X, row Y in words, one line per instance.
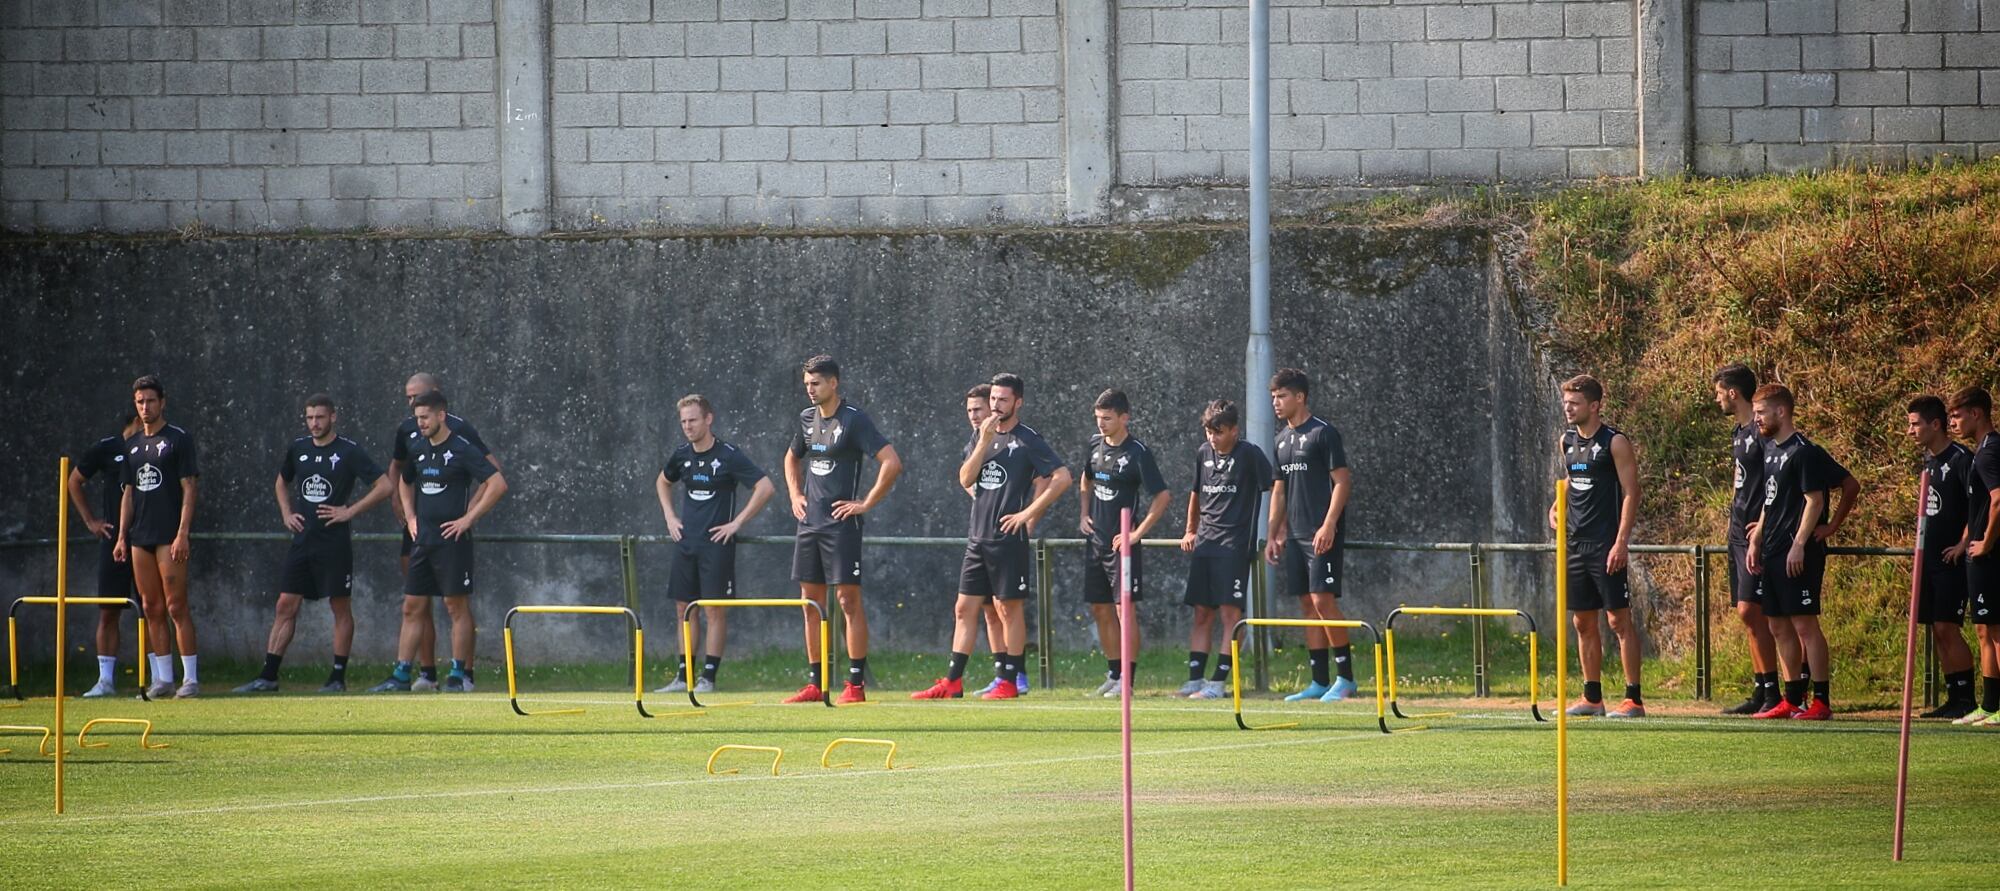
column 457, row 684
column 160, row 690
column 423, row 685
column 1584, row 708
column 1113, row 689
column 258, row 685
column 334, row 687
column 103, row 688
column 1108, row 688
column 1212, row 690
column 392, row 685
column 1189, row 689
column 679, row 685
column 188, row 690
column 703, row 685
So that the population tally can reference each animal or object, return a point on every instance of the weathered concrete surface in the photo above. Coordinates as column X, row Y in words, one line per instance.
column 569, row 354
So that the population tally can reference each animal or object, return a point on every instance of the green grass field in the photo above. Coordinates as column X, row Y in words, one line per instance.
column 370, row 791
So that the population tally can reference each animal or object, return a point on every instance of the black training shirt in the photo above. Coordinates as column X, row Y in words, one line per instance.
column 315, row 475
column 708, row 487
column 1116, row 475
column 444, row 476
column 1006, row 484
column 1308, row 454
column 154, row 468
column 1229, row 489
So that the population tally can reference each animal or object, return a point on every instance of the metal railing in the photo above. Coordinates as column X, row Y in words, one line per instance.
column 1478, row 590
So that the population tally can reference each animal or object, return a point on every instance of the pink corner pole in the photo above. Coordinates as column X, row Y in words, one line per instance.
column 1910, row 668
column 1128, row 625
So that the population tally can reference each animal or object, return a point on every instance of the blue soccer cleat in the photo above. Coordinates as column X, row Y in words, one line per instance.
column 1313, row 692
column 1021, row 683
column 1341, row 689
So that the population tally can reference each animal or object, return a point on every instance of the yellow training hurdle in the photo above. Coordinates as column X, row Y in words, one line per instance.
column 825, row 644
column 1389, row 643
column 638, row 652
column 888, row 762
column 777, row 758
column 14, row 640
column 1236, row 677
column 29, row 728
column 145, row 733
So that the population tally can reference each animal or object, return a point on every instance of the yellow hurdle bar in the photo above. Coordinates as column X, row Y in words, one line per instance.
column 1236, row 678
column 825, row 641
column 1562, row 675
column 777, row 758
column 1389, row 642
column 145, row 733
column 638, row 652
column 13, row 635
column 888, row 762
column 29, row 728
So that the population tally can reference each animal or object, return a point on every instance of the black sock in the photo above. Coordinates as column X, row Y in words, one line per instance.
column 680, row 667
column 1222, row 667
column 429, row 673
column 1822, row 691
column 1632, row 693
column 1767, row 689
column 998, row 657
column 1132, row 673
column 1958, row 686
column 709, row 666
column 340, row 671
column 1111, row 668
column 857, row 671
column 812, row 673
column 1318, row 658
column 1197, row 664
column 1795, row 693
column 271, row 661
column 1593, row 691
column 468, row 674
column 1008, row 669
column 1992, row 694
column 1343, row 662
column 1020, row 664
column 957, row 669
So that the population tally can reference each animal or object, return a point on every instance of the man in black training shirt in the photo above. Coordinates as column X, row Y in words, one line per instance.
column 424, row 653
column 1941, row 602
column 1603, row 480
column 1230, row 478
column 154, row 519
column 704, row 562
column 823, row 474
column 1972, row 416
column 437, row 484
column 114, row 578
column 1117, row 471
column 978, row 404
column 317, row 475
column 1308, row 524
column 1733, row 386
column 1001, row 467
column 1788, row 548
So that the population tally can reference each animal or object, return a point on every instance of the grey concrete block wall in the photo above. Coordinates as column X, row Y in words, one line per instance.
column 1378, row 92
column 1791, row 85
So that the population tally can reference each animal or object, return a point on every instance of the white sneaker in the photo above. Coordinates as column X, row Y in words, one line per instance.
column 423, row 685
column 704, row 685
column 679, row 685
column 160, row 690
column 1108, row 688
column 1212, row 690
column 188, row 690
column 1189, row 689
column 1113, row 689
column 103, row 688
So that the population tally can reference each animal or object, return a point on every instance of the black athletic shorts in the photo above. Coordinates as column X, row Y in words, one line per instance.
column 1591, row 586
column 997, row 569
column 114, row 579
column 1308, row 573
column 1982, row 586
column 318, row 571
column 702, row 572
column 440, row 570
column 408, row 543
column 1218, row 580
column 1789, row 595
column 1942, row 598
column 1742, row 582
column 828, row 556
column 1100, row 573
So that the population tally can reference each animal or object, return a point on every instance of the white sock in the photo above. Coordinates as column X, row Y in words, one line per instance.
column 163, row 668
column 187, row 670
column 107, row 669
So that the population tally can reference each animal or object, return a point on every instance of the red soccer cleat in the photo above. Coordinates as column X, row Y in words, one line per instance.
column 1002, row 690
column 1781, row 709
column 808, row 693
column 852, row 693
column 943, row 689
column 1817, row 710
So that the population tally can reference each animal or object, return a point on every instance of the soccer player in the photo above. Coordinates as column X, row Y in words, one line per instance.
column 154, row 518
column 1972, row 418
column 437, row 485
column 1002, row 464
column 1230, row 477
column 406, row 437
column 709, row 471
column 1941, row 603
column 1603, row 479
column 1788, row 548
column 317, row 474
column 1308, row 529
column 823, row 474
column 1117, row 471
column 114, row 577
column 1733, row 385
column 976, row 409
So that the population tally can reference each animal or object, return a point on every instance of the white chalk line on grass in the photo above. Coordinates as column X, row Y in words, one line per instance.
column 43, row 821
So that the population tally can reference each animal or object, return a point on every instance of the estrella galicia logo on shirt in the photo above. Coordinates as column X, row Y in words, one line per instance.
column 432, row 488
column 1104, row 493
column 700, row 494
column 316, row 489
column 1931, row 502
column 149, row 477
column 821, row 466
column 1581, row 484
column 992, row 476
